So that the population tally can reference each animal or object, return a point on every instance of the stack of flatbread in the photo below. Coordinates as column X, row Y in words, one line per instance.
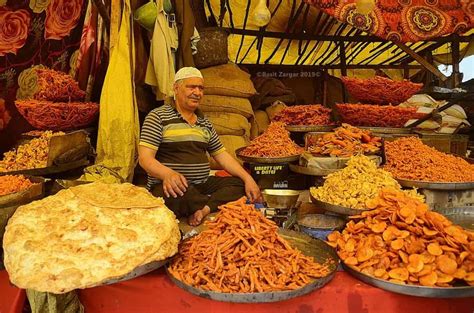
column 86, row 235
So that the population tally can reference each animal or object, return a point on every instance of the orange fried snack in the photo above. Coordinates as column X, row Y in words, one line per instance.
column 345, row 141
column 13, row 183
column 402, row 241
column 273, row 143
column 409, row 158
column 241, row 251
column 310, row 114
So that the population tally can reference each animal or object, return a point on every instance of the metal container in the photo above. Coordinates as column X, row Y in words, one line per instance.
column 287, row 159
column 317, row 249
column 413, row 290
column 138, row 271
column 436, row 185
column 311, row 171
column 320, row 225
column 280, row 198
column 338, row 209
column 462, row 216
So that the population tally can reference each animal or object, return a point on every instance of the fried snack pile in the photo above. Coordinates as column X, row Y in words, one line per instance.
column 33, row 154
column 241, row 251
column 376, row 115
column 13, row 183
column 409, row 158
column 355, row 184
column 345, row 141
column 57, row 86
column 275, row 142
column 380, row 90
column 312, row 114
column 404, row 242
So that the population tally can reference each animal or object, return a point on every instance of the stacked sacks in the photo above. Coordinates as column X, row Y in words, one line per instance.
column 226, row 104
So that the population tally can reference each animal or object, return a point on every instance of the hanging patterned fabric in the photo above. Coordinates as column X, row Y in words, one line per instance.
column 33, row 33
column 403, row 20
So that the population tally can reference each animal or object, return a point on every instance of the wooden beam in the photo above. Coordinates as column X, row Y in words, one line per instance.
column 455, row 57
column 430, row 67
column 103, row 13
column 302, row 70
column 342, row 55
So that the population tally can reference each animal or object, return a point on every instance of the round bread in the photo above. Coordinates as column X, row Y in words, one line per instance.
column 63, row 242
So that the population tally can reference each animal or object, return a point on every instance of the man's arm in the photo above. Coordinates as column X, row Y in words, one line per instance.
column 233, row 167
column 174, row 183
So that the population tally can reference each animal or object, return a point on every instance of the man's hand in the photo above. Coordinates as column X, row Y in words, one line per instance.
column 174, row 184
column 252, row 191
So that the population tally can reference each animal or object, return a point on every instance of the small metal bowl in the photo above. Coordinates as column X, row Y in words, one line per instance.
column 320, row 225
column 280, row 198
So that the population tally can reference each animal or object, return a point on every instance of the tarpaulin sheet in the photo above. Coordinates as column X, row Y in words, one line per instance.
column 156, row 293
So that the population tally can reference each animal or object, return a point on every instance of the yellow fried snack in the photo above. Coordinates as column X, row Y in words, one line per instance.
column 401, row 241
column 357, row 183
column 33, row 154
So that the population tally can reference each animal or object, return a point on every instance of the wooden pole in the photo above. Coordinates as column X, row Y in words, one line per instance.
column 455, row 57
column 342, row 55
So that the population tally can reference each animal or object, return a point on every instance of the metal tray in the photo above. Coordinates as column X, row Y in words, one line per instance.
column 462, row 216
column 412, row 290
column 287, row 159
column 341, row 210
column 315, row 248
column 310, row 128
column 387, row 130
column 138, row 271
column 50, row 169
column 312, row 171
column 435, row 185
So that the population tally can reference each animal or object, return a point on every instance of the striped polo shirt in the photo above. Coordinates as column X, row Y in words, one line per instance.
column 179, row 145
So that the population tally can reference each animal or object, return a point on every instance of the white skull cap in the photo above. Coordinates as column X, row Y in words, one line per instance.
column 187, row 72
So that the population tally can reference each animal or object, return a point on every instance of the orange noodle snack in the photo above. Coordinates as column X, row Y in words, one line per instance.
column 13, row 183
column 311, row 114
column 409, row 158
column 275, row 142
column 241, row 251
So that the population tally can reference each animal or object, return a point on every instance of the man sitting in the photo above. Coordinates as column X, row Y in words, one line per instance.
column 172, row 150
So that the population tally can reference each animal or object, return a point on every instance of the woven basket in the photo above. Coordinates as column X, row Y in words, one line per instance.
column 212, row 48
column 47, row 115
column 380, row 90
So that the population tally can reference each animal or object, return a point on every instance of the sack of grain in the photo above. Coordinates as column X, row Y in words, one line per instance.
column 259, row 123
column 227, row 80
column 215, row 103
column 231, row 143
column 229, row 123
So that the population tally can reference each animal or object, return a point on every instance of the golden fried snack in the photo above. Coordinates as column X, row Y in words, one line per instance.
column 402, row 241
column 357, row 183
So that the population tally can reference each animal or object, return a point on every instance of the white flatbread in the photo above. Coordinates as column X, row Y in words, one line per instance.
column 62, row 242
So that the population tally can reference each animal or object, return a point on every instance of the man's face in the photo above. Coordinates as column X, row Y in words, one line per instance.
column 189, row 92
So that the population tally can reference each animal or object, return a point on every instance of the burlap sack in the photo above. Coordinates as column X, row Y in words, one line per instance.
column 261, row 122
column 229, row 123
column 227, row 80
column 231, row 143
column 215, row 103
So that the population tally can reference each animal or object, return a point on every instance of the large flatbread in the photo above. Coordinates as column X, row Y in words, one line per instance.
column 62, row 243
column 119, row 196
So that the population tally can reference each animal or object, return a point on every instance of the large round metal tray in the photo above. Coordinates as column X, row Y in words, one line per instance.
column 462, row 216
column 341, row 210
column 138, row 271
column 309, row 128
column 435, row 185
column 287, row 159
column 387, row 130
column 315, row 248
column 311, row 171
column 412, row 290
